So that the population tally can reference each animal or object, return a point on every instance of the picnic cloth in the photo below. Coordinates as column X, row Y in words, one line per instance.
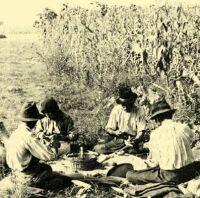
column 136, row 162
column 64, row 166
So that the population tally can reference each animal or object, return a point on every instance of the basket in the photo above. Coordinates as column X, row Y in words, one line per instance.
column 87, row 162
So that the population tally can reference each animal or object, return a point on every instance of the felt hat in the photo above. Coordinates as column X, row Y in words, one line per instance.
column 126, row 95
column 29, row 112
column 160, row 107
column 49, row 105
column 120, row 170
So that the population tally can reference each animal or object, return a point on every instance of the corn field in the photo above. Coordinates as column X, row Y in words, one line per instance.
column 155, row 49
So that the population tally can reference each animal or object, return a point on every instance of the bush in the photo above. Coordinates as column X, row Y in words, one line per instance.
column 88, row 52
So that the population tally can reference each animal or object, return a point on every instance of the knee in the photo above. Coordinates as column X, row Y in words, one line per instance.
column 45, row 167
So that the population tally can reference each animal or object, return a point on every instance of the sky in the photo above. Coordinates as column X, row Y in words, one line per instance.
column 22, row 13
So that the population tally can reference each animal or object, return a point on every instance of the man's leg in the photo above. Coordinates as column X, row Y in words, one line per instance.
column 57, row 182
column 35, row 175
column 157, row 175
column 109, row 147
column 144, row 176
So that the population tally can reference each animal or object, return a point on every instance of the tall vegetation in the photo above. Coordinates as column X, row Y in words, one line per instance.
column 90, row 51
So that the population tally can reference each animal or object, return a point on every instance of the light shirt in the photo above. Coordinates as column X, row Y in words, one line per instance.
column 22, row 146
column 129, row 122
column 62, row 125
column 169, row 145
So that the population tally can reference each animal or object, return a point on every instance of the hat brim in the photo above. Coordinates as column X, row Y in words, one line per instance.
column 123, row 101
column 120, row 170
column 30, row 119
column 161, row 112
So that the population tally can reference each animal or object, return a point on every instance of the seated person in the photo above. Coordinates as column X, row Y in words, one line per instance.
column 126, row 119
column 55, row 127
column 24, row 152
column 171, row 158
column 3, row 140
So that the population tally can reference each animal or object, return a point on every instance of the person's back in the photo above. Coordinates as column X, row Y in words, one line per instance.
column 170, row 158
column 22, row 147
column 170, row 145
column 16, row 150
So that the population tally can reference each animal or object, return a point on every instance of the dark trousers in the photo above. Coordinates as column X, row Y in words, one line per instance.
column 157, row 175
column 110, row 146
column 40, row 175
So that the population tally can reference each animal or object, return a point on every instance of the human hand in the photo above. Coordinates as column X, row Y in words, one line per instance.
column 73, row 136
column 146, row 145
column 118, row 132
column 128, row 142
column 101, row 140
column 55, row 144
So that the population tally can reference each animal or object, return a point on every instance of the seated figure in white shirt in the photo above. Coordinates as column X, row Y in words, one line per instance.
column 170, row 158
column 24, row 152
column 126, row 119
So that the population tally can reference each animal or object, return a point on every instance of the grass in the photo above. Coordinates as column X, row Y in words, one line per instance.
column 23, row 77
column 82, row 88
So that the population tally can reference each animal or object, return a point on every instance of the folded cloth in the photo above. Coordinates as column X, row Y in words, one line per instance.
column 151, row 190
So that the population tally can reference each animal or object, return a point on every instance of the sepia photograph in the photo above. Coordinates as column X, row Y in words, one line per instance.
column 99, row 99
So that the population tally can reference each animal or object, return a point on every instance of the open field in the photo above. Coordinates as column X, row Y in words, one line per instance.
column 22, row 76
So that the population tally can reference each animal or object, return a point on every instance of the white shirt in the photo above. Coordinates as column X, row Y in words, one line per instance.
column 22, row 146
column 130, row 122
column 169, row 145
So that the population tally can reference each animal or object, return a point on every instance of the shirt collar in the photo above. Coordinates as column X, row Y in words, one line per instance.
column 167, row 122
column 22, row 126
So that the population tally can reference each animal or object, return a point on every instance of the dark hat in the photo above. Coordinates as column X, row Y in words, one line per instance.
column 49, row 105
column 160, row 107
column 29, row 112
column 126, row 95
column 120, row 170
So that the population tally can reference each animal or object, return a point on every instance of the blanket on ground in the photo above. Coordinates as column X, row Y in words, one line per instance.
column 153, row 190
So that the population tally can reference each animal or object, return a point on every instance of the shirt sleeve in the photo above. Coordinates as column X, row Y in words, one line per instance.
column 112, row 121
column 189, row 133
column 153, row 150
column 39, row 126
column 39, row 150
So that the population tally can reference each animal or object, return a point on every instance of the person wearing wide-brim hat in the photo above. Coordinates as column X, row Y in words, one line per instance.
column 56, row 125
column 126, row 119
column 24, row 150
column 170, row 158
